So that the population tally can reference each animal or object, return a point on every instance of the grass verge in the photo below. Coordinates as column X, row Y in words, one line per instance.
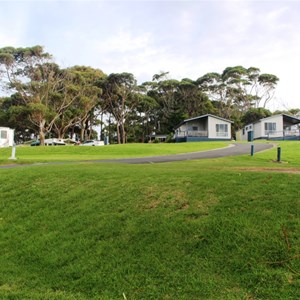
column 27, row 154
column 207, row 229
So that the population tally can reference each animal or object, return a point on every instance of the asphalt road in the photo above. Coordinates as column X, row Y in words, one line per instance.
column 232, row 150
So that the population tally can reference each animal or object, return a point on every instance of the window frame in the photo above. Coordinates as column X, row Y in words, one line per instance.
column 222, row 130
column 3, row 134
column 270, row 127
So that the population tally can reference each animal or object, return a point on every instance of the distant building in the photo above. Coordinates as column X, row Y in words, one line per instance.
column 277, row 127
column 203, row 128
column 157, row 137
column 6, row 137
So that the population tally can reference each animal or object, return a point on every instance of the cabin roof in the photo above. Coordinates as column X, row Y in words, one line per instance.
column 202, row 117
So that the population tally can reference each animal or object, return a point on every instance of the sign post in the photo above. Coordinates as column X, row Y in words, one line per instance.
column 13, row 152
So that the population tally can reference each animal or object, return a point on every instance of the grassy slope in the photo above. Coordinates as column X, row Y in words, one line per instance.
column 206, row 229
column 75, row 153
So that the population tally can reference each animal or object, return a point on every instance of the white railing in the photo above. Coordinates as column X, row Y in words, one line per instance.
column 273, row 132
column 191, row 133
column 285, row 133
column 222, row 134
column 291, row 132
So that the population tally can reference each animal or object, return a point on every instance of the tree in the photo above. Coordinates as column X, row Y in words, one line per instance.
column 192, row 100
column 120, row 98
column 266, row 88
column 84, row 95
column 14, row 114
column 171, row 110
column 146, row 114
column 41, row 84
column 238, row 89
column 294, row 112
column 213, row 85
column 255, row 114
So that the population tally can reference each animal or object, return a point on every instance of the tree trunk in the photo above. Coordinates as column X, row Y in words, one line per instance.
column 42, row 132
column 60, row 134
column 101, row 127
column 118, row 133
column 123, row 134
column 42, row 137
column 82, row 133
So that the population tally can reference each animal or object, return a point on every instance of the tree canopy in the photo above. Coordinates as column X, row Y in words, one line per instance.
column 47, row 100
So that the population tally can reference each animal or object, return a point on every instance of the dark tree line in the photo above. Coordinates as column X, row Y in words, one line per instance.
column 45, row 99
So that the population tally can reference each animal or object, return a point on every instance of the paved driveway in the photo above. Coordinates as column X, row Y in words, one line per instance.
column 232, row 150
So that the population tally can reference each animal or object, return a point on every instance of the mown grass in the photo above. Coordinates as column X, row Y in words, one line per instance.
column 206, row 229
column 27, row 154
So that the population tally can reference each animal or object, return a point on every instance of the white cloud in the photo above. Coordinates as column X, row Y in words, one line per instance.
column 125, row 41
column 187, row 38
column 7, row 40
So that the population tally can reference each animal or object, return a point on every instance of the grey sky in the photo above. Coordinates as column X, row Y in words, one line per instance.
column 186, row 38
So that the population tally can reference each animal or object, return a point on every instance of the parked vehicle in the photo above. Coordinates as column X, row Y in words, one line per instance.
column 55, row 142
column 92, row 143
column 49, row 142
column 35, row 143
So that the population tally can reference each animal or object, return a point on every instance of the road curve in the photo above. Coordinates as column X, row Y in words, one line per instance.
column 232, row 150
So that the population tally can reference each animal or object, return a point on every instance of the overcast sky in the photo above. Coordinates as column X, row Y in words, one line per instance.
column 186, row 38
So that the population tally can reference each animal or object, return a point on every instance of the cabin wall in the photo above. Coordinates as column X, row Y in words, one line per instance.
column 6, row 137
column 212, row 129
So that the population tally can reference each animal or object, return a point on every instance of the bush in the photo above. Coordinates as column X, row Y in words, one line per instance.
column 170, row 138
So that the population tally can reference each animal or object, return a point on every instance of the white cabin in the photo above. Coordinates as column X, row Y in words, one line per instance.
column 277, row 127
column 203, row 128
column 6, row 137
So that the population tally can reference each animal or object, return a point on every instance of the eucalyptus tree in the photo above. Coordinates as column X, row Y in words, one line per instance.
column 253, row 89
column 85, row 98
column 165, row 92
column 212, row 84
column 294, row 112
column 40, row 83
column 150, row 102
column 146, row 113
column 120, row 98
column 176, row 100
column 236, row 81
column 192, row 99
column 14, row 114
column 265, row 85
column 254, row 115
column 238, row 89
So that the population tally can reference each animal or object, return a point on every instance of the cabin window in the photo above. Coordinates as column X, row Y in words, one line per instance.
column 222, row 129
column 270, row 128
column 193, row 128
column 3, row 134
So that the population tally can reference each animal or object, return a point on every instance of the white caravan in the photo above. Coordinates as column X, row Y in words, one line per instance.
column 6, row 137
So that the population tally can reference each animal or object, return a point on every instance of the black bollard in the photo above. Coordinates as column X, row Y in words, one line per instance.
column 252, row 150
column 278, row 154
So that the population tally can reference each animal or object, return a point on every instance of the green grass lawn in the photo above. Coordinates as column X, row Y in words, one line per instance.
column 27, row 154
column 209, row 229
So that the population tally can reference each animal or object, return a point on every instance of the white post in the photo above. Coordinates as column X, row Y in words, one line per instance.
column 13, row 152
